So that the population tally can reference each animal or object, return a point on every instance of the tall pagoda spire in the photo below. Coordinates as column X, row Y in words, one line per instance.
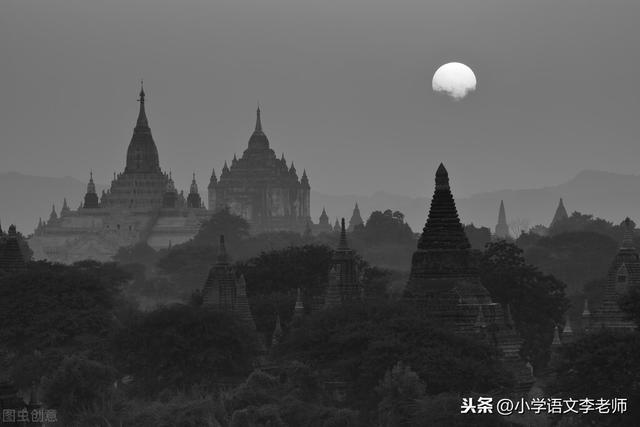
column 443, row 229
column 258, row 139
column 356, row 218
column 343, row 237
column 560, row 215
column 220, row 290
column 142, row 124
column 442, row 262
column 142, row 154
column 91, row 198
column 502, row 229
column 258, row 121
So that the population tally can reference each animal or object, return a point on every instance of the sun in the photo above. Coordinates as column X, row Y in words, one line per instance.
column 454, row 79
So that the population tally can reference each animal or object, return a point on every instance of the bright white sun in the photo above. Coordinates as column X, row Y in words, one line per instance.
column 454, row 79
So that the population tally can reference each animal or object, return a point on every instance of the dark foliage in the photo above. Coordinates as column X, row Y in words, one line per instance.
column 478, row 236
column 361, row 342
column 178, row 346
column 602, row 365
column 537, row 300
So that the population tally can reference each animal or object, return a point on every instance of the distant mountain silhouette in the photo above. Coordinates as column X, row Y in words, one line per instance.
column 608, row 195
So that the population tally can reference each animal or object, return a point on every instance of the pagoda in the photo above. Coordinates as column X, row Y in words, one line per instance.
column 445, row 284
column 623, row 275
column 502, row 229
column 356, row 219
column 262, row 188
column 224, row 292
column 11, row 258
column 344, row 285
column 560, row 215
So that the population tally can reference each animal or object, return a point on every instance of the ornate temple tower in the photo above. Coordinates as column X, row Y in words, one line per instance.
column 444, row 283
column 220, row 289
column 502, row 229
column 170, row 199
column 623, row 275
column 356, row 219
column 193, row 199
column 223, row 292
column 142, row 184
column 212, row 191
column 11, row 259
column 343, row 284
column 262, row 188
column 91, row 198
column 560, row 215
column 442, row 275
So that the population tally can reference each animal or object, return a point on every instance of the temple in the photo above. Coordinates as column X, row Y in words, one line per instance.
column 262, row 188
column 140, row 206
column 502, row 229
column 226, row 293
column 344, row 285
column 623, row 274
column 445, row 284
column 560, row 215
column 356, row 219
column 11, row 258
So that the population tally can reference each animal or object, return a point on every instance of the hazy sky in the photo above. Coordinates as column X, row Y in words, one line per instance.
column 344, row 86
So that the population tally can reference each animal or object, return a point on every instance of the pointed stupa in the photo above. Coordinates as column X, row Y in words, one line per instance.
column 91, row 198
column 623, row 274
column 241, row 307
column 292, row 170
column 193, row 199
column 442, row 265
column 304, row 181
column 65, row 207
column 560, row 215
column 356, row 219
column 336, row 226
column 276, row 337
column 502, row 229
column 53, row 216
column 213, row 180
column 344, row 282
column 225, row 169
column 343, row 245
column 324, row 218
column 142, row 154
column 220, row 288
column 11, row 259
column 258, row 140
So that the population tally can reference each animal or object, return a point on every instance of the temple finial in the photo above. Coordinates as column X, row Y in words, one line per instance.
column 442, row 177
column 258, row 121
column 343, row 236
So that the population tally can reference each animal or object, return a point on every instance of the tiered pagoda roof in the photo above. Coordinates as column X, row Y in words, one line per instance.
column 623, row 274
column 11, row 259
